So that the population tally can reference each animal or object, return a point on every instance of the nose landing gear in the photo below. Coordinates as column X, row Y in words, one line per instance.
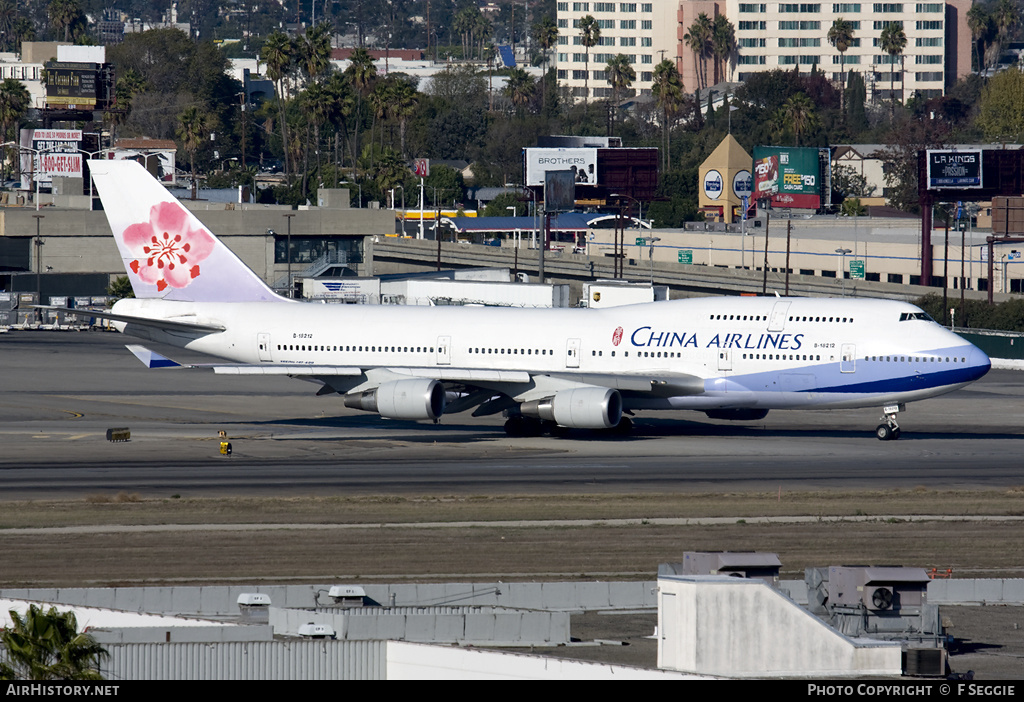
column 890, row 430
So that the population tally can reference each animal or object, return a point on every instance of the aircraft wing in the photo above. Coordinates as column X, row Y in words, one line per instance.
column 520, row 385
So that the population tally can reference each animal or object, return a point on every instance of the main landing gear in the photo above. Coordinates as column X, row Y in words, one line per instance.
column 890, row 430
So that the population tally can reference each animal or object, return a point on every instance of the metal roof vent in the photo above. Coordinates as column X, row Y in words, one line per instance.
column 317, row 631
column 347, row 595
column 254, row 607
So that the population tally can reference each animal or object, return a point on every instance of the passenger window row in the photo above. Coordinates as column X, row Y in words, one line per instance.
column 915, row 359
column 373, row 349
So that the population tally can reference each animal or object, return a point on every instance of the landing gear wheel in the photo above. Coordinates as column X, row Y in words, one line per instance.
column 883, row 432
column 890, row 431
column 896, row 434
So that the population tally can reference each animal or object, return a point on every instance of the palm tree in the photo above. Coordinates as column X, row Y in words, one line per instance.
column 590, row 35
column 362, row 72
column 840, row 35
column 8, row 16
column 799, row 115
column 315, row 50
column 723, row 43
column 62, row 14
column 545, row 35
column 1007, row 17
column 277, row 53
column 464, row 24
column 892, row 41
column 978, row 20
column 620, row 75
column 698, row 39
column 667, row 89
column 46, row 645
column 192, row 131
column 482, row 29
column 343, row 101
column 519, row 88
column 14, row 102
column 403, row 99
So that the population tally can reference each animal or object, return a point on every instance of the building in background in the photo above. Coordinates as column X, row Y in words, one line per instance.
column 769, row 36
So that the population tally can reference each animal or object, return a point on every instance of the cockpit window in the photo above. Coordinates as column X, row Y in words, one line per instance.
column 923, row 316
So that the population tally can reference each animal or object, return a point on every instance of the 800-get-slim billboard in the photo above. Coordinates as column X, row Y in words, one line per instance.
column 788, row 176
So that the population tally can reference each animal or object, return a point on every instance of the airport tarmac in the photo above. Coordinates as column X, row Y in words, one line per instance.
column 63, row 390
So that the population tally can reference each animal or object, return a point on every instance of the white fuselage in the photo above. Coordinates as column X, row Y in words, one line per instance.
column 748, row 352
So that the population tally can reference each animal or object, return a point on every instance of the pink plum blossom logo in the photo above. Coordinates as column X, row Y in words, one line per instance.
column 168, row 248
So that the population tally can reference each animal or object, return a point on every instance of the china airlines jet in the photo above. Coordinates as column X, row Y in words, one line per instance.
column 543, row 369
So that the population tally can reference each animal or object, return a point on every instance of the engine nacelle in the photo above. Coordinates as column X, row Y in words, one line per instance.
column 578, row 408
column 738, row 414
column 416, row 398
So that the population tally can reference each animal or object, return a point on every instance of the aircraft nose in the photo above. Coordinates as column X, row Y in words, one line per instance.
column 980, row 360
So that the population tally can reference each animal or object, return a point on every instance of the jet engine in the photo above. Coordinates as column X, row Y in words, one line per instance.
column 578, row 408
column 418, row 398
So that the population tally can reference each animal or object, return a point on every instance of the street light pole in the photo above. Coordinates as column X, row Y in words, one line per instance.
column 39, row 266
column 291, row 285
column 842, row 266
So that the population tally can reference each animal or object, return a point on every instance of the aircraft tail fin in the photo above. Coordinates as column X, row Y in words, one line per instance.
column 167, row 252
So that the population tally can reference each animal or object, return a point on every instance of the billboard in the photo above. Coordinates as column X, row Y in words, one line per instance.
column 954, row 169
column 46, row 153
column 582, row 162
column 560, row 191
column 72, row 85
column 788, row 176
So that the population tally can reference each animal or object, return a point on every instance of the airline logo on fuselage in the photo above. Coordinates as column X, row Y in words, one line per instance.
column 648, row 337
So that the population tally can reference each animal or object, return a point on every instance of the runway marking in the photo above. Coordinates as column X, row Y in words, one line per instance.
column 75, row 415
column 511, row 524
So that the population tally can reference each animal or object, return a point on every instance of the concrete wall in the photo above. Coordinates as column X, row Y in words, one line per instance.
column 222, row 600
column 1003, row 591
column 715, row 625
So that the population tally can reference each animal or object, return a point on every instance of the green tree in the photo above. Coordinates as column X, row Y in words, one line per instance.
column 1001, row 114
column 840, row 35
column 46, row 645
column 590, row 35
column 498, row 207
column 192, row 131
column 892, row 41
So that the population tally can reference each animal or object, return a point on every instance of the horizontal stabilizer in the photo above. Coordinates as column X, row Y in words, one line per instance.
column 164, row 324
column 151, row 359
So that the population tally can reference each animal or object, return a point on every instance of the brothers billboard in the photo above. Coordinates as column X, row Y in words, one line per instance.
column 788, row 176
column 582, row 162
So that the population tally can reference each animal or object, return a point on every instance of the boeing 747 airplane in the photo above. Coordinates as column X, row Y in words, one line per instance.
column 544, row 369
